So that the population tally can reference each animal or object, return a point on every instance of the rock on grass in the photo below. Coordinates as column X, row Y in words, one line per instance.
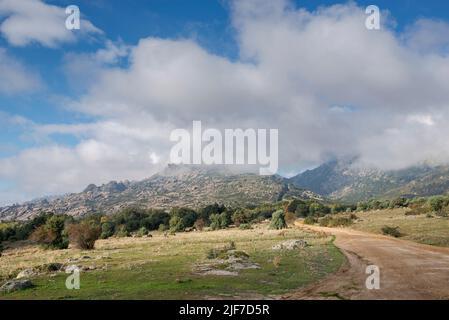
column 15, row 285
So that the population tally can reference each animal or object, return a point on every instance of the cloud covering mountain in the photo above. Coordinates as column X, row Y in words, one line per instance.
column 332, row 87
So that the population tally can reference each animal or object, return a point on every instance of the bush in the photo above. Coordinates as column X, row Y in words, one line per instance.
column 162, row 227
column 310, row 220
column 154, row 219
column 340, row 222
column 215, row 222
column 278, row 220
column 52, row 235
column 199, row 224
column 324, row 222
column 436, row 203
column 245, row 226
column 121, row 232
column 1, row 249
column 84, row 234
column 182, row 218
column 302, row 210
column 142, row 232
column 208, row 210
column 107, row 230
column 391, row 231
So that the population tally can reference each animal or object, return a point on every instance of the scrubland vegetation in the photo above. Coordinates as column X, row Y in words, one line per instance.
column 187, row 265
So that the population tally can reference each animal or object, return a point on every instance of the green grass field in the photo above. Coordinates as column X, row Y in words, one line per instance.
column 424, row 229
column 163, row 268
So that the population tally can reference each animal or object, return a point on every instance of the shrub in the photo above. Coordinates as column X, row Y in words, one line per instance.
column 324, row 222
column 107, row 230
column 121, row 232
column 215, row 222
column 310, row 220
column 208, row 210
column 162, row 227
column 391, row 231
column 225, row 220
column 278, row 220
column 1, row 249
column 293, row 205
column 316, row 208
column 199, row 224
column 142, row 232
column 52, row 235
column 436, row 203
column 84, row 234
column 182, row 218
column 154, row 219
column 245, row 226
column 340, row 222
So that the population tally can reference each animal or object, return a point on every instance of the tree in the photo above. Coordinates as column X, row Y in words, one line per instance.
column 293, row 205
column 52, row 234
column 278, row 220
column 199, row 224
column 215, row 221
column 84, row 234
column 182, row 218
column 302, row 210
column 107, row 230
column 436, row 203
column 225, row 221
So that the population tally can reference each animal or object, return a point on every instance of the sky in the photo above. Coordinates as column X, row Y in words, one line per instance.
column 98, row 104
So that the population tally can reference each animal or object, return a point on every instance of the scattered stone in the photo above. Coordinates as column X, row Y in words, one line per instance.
column 290, row 245
column 218, row 272
column 15, row 285
column 71, row 268
column 27, row 273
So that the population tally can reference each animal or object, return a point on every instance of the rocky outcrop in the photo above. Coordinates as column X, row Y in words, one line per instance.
column 176, row 186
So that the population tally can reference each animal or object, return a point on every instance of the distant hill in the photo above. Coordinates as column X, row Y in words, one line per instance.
column 340, row 179
column 176, row 186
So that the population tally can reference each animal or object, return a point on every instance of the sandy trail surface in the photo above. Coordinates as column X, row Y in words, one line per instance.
column 408, row 270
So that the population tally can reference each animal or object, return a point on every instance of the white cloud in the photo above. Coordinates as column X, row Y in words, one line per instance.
column 34, row 21
column 14, row 76
column 428, row 36
column 331, row 87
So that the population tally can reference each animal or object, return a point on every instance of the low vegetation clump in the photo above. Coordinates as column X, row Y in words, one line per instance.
column 278, row 220
column 391, row 231
column 310, row 220
column 52, row 234
column 336, row 221
column 84, row 234
column 215, row 253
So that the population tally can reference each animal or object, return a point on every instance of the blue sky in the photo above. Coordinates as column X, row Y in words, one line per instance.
column 209, row 24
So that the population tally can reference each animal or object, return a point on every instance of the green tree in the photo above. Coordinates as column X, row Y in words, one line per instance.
column 278, row 220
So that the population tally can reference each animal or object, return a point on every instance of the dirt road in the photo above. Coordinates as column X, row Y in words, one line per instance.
column 407, row 270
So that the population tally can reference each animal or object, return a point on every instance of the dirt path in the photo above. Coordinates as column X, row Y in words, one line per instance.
column 407, row 270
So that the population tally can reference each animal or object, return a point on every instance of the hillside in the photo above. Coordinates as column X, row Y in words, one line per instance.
column 341, row 180
column 175, row 186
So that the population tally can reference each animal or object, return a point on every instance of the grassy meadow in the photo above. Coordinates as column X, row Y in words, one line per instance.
column 163, row 267
column 426, row 228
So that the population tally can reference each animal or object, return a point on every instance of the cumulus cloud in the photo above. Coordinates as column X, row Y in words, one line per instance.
column 331, row 87
column 34, row 21
column 14, row 76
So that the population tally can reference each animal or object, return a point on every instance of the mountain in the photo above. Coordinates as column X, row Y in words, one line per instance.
column 343, row 180
column 175, row 186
